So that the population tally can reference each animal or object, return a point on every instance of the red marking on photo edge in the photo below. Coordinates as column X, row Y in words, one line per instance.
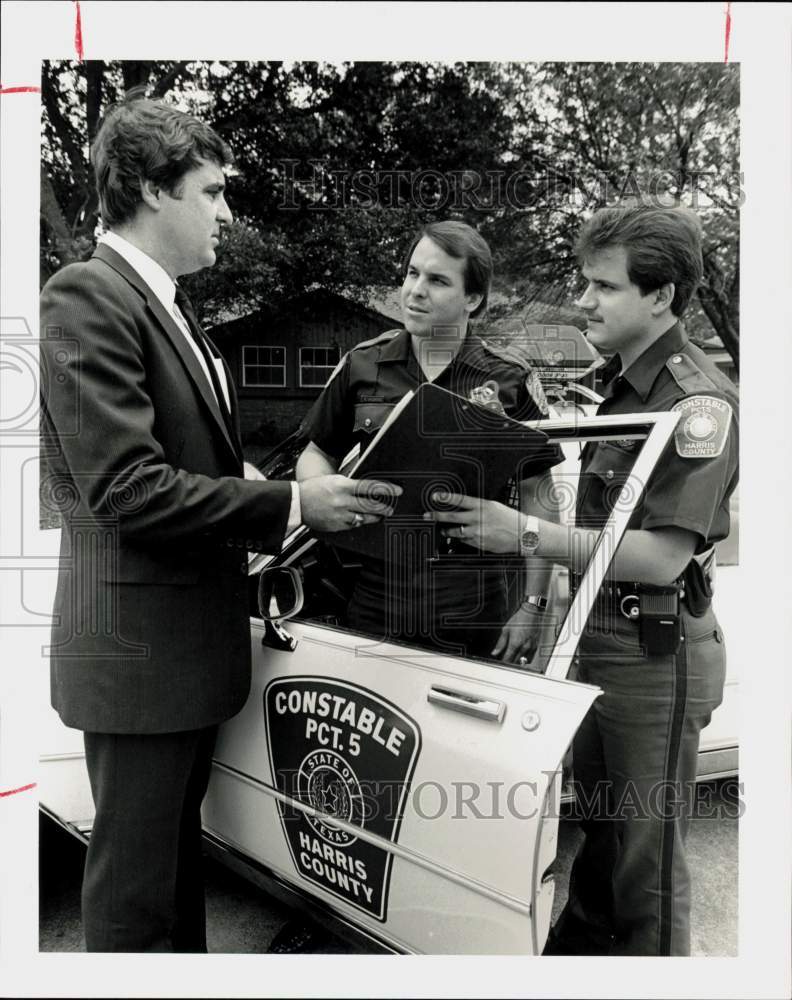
column 78, row 44
column 728, row 32
column 16, row 791
column 78, row 39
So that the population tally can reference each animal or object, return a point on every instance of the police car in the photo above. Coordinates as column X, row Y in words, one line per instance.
column 409, row 798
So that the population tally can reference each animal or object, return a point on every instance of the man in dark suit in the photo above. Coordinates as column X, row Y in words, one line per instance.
column 151, row 648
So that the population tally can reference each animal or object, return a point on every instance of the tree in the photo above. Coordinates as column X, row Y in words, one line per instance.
column 336, row 165
column 604, row 132
column 73, row 96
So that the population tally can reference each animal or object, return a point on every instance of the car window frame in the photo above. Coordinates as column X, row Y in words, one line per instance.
column 653, row 429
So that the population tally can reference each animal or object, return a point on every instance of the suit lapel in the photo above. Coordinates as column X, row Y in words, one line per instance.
column 178, row 340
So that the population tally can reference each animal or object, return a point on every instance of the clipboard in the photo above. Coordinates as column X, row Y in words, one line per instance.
column 435, row 440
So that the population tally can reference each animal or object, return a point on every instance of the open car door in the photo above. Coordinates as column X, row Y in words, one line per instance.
column 411, row 797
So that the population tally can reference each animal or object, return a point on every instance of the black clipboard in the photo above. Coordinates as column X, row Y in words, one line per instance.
column 435, row 440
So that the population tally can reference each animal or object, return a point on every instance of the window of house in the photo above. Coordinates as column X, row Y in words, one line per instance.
column 263, row 366
column 317, row 364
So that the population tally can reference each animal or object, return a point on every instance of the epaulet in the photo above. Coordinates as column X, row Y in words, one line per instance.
column 688, row 376
column 381, row 338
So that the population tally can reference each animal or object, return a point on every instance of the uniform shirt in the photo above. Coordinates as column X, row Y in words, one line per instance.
column 690, row 485
column 376, row 374
column 365, row 387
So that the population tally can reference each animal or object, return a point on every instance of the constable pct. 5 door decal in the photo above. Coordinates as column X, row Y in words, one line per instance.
column 350, row 754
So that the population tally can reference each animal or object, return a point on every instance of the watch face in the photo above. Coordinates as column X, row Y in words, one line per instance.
column 529, row 540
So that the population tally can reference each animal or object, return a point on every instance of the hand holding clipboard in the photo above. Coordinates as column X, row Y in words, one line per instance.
column 436, row 441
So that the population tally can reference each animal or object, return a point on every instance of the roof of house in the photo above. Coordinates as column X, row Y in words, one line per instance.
column 306, row 304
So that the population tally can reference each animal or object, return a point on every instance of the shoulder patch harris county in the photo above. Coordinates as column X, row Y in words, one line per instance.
column 703, row 426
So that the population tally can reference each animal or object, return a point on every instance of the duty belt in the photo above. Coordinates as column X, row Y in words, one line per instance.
column 624, row 596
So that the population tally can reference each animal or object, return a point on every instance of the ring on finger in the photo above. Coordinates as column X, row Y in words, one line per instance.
column 357, row 520
column 461, row 530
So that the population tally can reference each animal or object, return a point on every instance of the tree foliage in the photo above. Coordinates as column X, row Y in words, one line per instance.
column 335, row 165
column 669, row 132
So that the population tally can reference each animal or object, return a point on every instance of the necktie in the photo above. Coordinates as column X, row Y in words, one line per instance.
column 183, row 302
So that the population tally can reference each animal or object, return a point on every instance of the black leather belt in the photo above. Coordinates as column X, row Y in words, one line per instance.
column 623, row 595
column 618, row 588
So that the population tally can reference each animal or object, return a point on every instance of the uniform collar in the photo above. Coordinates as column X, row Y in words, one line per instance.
column 643, row 372
column 397, row 348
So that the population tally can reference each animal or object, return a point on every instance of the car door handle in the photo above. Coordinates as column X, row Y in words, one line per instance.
column 468, row 704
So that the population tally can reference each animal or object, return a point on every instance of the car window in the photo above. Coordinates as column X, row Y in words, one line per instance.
column 329, row 573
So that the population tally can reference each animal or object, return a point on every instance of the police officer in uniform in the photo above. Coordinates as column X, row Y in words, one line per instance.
column 652, row 644
column 443, row 604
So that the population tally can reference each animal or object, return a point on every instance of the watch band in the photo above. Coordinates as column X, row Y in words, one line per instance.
column 536, row 601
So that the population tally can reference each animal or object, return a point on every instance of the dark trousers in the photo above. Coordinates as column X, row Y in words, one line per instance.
column 143, row 885
column 634, row 760
column 459, row 611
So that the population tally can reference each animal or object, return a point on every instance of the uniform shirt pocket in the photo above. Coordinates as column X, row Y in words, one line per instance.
column 605, row 474
column 612, row 462
column 369, row 417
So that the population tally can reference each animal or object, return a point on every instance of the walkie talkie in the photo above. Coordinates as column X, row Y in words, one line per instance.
column 659, row 621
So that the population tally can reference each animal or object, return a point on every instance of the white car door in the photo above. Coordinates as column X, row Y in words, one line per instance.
column 413, row 795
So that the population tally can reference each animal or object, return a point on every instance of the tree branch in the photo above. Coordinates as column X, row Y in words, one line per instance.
column 63, row 130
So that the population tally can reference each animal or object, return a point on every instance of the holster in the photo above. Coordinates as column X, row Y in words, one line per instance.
column 698, row 579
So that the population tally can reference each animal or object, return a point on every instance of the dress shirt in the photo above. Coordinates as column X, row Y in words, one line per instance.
column 163, row 286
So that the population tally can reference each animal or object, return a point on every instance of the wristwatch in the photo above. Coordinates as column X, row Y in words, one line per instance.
column 529, row 536
column 540, row 603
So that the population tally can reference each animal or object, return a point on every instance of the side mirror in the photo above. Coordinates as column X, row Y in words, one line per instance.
column 280, row 593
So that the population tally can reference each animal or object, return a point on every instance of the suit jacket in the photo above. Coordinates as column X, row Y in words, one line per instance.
column 151, row 619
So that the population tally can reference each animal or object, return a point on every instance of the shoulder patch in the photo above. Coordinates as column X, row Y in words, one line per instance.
column 536, row 392
column 506, row 350
column 381, row 338
column 703, row 426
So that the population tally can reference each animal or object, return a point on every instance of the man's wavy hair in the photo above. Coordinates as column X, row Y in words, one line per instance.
column 140, row 139
column 662, row 244
column 460, row 240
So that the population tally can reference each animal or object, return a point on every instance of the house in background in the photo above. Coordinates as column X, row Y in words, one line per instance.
column 281, row 360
